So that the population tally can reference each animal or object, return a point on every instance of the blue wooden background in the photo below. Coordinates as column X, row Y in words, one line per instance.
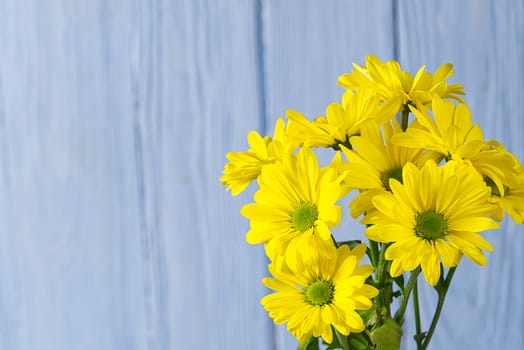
column 115, row 116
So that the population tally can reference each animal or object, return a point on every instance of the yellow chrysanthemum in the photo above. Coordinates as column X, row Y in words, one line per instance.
column 341, row 121
column 453, row 134
column 244, row 167
column 294, row 209
column 390, row 83
column 339, row 165
column 434, row 215
column 448, row 133
column 374, row 160
column 511, row 199
column 322, row 294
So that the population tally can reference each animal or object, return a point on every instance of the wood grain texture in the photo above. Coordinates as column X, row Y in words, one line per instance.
column 198, row 95
column 115, row 118
column 484, row 40
column 70, row 245
column 307, row 45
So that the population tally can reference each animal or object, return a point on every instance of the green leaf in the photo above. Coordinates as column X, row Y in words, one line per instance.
column 396, row 294
column 355, row 341
column 358, row 341
column 334, row 344
column 441, row 286
column 399, row 281
column 352, row 244
column 308, row 344
column 342, row 340
column 387, row 336
column 369, row 316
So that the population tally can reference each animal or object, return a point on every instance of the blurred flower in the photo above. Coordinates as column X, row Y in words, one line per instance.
column 511, row 199
column 244, row 167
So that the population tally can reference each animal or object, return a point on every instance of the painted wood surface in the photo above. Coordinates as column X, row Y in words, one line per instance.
column 485, row 41
column 115, row 117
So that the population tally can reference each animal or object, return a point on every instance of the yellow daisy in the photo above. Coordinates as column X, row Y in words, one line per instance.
column 374, row 160
column 453, row 134
column 295, row 208
column 511, row 199
column 448, row 133
column 340, row 122
column 390, row 83
column 244, row 167
column 340, row 167
column 322, row 294
column 434, row 215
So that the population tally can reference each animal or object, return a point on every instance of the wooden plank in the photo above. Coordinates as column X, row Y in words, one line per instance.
column 307, row 45
column 70, row 260
column 483, row 39
column 199, row 93
column 116, row 121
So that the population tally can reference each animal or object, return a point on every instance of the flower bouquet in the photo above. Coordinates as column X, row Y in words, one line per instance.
column 424, row 182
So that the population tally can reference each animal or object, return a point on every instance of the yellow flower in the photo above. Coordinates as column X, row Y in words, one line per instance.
column 339, row 165
column 322, row 294
column 453, row 134
column 448, row 133
column 511, row 199
column 434, row 215
column 374, row 160
column 390, row 83
column 295, row 208
column 244, row 167
column 341, row 121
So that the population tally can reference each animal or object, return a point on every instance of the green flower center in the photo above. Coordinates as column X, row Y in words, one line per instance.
column 430, row 225
column 305, row 216
column 320, row 292
column 395, row 173
column 494, row 189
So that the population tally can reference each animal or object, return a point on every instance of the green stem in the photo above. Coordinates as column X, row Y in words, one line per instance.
column 373, row 248
column 381, row 265
column 418, row 336
column 382, row 302
column 399, row 316
column 405, row 118
column 441, row 297
column 388, row 289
